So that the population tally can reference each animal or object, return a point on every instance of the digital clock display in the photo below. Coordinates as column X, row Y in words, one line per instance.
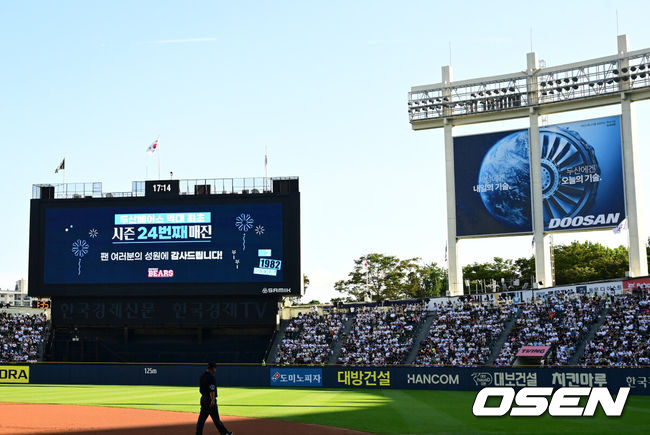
column 161, row 188
column 41, row 304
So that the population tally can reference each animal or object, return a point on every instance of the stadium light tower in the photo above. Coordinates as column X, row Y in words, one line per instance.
column 622, row 79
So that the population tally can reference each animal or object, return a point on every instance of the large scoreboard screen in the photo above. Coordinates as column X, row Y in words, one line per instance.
column 184, row 245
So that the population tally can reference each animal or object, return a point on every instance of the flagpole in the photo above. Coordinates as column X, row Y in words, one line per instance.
column 65, row 188
column 152, row 149
column 266, row 168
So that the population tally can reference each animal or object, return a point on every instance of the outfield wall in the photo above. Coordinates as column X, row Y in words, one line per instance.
column 420, row 378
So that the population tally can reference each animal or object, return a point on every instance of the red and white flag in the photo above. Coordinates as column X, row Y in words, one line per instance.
column 152, row 148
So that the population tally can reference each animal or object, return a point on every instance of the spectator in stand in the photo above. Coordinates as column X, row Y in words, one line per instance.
column 20, row 336
column 381, row 335
column 464, row 331
column 308, row 338
column 462, row 334
column 622, row 340
column 558, row 321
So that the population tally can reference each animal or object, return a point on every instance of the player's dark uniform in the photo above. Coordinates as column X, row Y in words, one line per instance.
column 208, row 384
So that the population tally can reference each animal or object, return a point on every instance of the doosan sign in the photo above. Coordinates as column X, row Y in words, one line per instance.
column 565, row 402
column 610, row 219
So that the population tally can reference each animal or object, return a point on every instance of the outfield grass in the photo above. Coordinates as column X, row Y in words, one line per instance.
column 376, row 411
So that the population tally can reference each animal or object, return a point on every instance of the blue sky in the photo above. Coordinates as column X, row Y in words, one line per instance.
column 323, row 85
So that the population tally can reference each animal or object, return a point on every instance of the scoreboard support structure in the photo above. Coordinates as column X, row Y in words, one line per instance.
column 455, row 269
column 619, row 79
column 543, row 269
column 636, row 226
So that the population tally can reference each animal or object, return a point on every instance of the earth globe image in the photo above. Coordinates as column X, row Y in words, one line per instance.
column 506, row 169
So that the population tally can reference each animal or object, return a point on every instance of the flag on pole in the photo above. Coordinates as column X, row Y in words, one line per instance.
column 266, row 170
column 532, row 244
column 61, row 167
column 445, row 252
column 620, row 227
column 152, row 148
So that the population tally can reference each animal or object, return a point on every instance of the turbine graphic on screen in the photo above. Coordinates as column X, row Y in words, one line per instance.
column 570, row 173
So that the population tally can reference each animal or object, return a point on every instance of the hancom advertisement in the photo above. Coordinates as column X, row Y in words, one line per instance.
column 582, row 179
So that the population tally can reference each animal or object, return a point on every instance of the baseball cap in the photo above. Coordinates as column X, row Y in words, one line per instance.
column 212, row 365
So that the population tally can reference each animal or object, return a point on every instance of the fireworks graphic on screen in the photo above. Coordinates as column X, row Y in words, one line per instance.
column 93, row 233
column 259, row 230
column 244, row 222
column 79, row 249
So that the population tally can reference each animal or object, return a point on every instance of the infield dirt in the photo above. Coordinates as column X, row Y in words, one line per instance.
column 32, row 419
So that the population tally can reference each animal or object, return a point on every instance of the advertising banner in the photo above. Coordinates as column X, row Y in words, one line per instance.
column 222, row 311
column 582, row 174
column 533, row 351
column 641, row 283
column 601, row 288
column 296, row 377
column 401, row 377
column 582, row 179
column 368, row 377
column 475, row 378
column 14, row 374
column 492, row 179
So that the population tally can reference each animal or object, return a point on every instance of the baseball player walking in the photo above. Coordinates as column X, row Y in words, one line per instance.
column 208, row 389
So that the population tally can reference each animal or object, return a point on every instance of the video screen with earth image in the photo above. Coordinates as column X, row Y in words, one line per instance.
column 582, row 179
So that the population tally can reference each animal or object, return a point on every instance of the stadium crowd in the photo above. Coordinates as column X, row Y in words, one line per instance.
column 622, row 340
column 381, row 335
column 558, row 321
column 308, row 338
column 462, row 334
column 20, row 336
